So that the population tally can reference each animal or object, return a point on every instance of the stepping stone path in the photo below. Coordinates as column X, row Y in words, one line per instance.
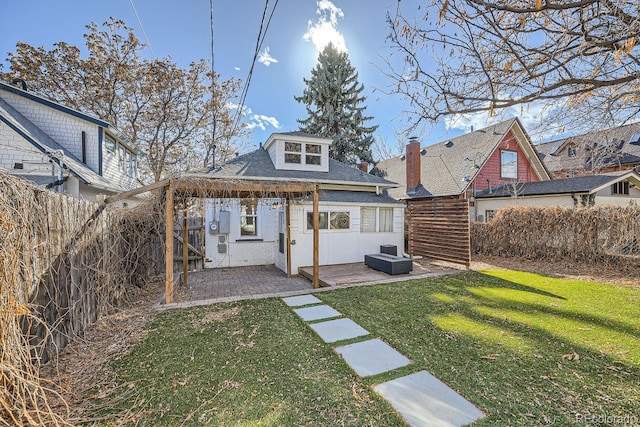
column 420, row 398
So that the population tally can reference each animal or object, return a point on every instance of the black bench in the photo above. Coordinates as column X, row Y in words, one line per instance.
column 390, row 264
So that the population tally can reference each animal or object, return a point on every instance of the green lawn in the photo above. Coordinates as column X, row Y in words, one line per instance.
column 526, row 349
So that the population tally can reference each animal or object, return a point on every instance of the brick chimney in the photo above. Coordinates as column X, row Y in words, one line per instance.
column 413, row 164
column 364, row 167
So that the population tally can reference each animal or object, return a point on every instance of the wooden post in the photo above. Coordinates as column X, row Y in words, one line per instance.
column 287, row 215
column 185, row 247
column 168, row 247
column 316, row 239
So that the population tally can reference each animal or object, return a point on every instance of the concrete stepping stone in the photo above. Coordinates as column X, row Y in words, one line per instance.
column 301, row 300
column 372, row 357
column 317, row 312
column 339, row 329
column 424, row 400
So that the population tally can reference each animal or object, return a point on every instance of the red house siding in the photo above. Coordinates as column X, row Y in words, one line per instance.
column 491, row 169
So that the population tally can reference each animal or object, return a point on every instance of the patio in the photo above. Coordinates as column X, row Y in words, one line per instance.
column 264, row 281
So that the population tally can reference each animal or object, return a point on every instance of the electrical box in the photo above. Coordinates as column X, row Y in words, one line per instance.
column 224, row 220
column 222, row 248
column 214, row 227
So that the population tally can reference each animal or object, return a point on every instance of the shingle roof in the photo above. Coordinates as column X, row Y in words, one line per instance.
column 257, row 165
column 359, row 197
column 447, row 167
column 556, row 157
column 580, row 184
column 43, row 142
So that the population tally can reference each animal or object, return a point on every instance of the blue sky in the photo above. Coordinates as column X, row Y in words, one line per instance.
column 181, row 30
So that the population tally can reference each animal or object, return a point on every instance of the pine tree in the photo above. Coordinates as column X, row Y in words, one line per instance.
column 333, row 102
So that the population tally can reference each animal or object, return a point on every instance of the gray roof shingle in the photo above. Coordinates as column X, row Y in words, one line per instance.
column 257, row 165
column 447, row 167
column 555, row 154
column 580, row 184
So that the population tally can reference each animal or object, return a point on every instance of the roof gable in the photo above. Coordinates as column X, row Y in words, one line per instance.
column 450, row 166
column 45, row 144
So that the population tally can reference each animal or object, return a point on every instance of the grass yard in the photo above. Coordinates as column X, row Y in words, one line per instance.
column 526, row 349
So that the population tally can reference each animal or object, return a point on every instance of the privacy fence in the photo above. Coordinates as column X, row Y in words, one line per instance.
column 605, row 235
column 63, row 261
column 439, row 229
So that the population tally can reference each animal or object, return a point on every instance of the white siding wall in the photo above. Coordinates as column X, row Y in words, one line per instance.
column 111, row 169
column 340, row 246
column 15, row 149
column 336, row 246
column 64, row 128
column 241, row 251
column 604, row 197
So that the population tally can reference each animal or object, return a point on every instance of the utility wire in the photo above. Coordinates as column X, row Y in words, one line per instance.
column 213, row 90
column 135, row 12
column 264, row 27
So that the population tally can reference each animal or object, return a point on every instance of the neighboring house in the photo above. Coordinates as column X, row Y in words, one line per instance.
column 598, row 152
column 62, row 148
column 463, row 166
column 356, row 214
column 618, row 189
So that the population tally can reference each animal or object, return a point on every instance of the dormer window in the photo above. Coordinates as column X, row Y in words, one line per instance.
column 292, row 152
column 571, row 151
column 313, row 154
column 298, row 151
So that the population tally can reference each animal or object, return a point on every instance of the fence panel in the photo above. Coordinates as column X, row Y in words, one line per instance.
column 439, row 229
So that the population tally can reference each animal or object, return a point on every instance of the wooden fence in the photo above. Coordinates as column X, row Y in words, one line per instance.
column 195, row 244
column 438, row 228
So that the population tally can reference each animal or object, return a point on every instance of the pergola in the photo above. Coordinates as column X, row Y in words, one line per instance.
column 194, row 186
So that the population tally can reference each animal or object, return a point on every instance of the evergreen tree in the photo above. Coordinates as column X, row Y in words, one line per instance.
column 333, row 101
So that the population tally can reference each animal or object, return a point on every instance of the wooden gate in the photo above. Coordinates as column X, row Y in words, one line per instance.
column 439, row 228
column 195, row 244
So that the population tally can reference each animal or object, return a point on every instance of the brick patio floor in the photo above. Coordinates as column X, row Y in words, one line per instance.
column 239, row 282
column 265, row 281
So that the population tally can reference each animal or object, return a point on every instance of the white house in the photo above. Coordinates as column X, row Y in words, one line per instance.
column 617, row 189
column 62, row 148
column 356, row 214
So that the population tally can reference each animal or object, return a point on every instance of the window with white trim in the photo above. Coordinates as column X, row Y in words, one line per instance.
column 313, row 154
column 292, row 152
column 620, row 188
column 249, row 217
column 334, row 220
column 508, row 164
column 374, row 220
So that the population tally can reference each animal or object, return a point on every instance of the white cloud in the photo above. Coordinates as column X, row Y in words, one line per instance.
column 265, row 58
column 261, row 121
column 254, row 120
column 236, row 68
column 533, row 116
column 325, row 31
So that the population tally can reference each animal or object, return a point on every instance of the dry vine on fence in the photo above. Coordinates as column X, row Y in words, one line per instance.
column 63, row 262
column 605, row 235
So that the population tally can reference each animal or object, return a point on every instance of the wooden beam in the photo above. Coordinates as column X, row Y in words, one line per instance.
column 168, row 246
column 287, row 211
column 207, row 187
column 189, row 245
column 185, row 248
column 135, row 192
column 316, row 240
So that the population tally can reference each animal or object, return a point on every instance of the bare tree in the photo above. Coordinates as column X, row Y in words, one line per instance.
column 577, row 57
column 173, row 115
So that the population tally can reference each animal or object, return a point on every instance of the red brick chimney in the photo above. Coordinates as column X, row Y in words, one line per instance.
column 364, row 167
column 413, row 164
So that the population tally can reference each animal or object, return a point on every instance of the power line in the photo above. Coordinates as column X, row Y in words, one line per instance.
column 264, row 27
column 135, row 12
